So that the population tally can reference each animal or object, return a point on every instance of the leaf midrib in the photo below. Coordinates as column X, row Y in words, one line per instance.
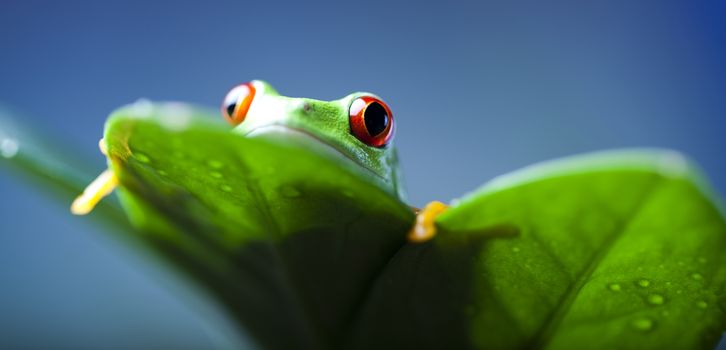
column 545, row 333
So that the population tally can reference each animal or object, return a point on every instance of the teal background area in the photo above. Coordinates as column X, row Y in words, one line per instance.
column 478, row 89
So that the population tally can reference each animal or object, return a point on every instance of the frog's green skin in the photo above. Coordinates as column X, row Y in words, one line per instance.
column 326, row 122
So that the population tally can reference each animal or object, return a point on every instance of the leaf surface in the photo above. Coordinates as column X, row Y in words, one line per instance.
column 284, row 230
column 619, row 249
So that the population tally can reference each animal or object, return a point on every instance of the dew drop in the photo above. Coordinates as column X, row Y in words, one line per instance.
column 215, row 164
column 697, row 276
column 644, row 283
column 643, row 324
column 216, row 175
column 656, row 299
column 225, row 188
column 701, row 304
column 8, row 148
column 615, row 287
column 142, row 158
column 162, row 173
column 515, row 249
column 289, row 191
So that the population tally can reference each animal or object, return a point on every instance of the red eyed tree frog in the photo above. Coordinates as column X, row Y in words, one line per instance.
column 360, row 126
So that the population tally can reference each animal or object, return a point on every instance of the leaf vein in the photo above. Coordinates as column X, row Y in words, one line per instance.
column 554, row 319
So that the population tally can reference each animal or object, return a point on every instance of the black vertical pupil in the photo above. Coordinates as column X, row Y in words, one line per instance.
column 230, row 108
column 376, row 119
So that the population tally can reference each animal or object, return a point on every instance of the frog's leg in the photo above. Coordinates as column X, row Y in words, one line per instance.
column 101, row 187
column 425, row 229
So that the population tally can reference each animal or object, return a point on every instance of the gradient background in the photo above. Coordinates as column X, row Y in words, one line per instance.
column 478, row 89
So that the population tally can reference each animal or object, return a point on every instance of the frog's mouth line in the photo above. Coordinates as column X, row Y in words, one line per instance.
column 284, row 129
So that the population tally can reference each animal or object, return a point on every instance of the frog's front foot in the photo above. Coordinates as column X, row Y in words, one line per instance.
column 101, row 187
column 425, row 229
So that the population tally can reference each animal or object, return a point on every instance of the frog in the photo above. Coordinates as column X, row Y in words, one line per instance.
column 360, row 127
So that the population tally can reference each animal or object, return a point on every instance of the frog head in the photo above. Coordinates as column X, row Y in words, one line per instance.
column 358, row 128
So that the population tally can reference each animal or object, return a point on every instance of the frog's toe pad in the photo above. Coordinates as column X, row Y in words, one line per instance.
column 425, row 229
column 101, row 187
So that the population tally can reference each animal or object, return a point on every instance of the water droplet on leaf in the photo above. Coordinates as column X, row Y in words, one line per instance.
column 643, row 324
column 225, row 188
column 216, row 175
column 701, row 304
column 215, row 164
column 8, row 148
column 656, row 299
column 697, row 276
column 142, row 158
column 515, row 249
column 644, row 283
column 615, row 287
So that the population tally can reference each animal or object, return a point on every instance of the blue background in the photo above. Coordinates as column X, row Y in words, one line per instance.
column 478, row 89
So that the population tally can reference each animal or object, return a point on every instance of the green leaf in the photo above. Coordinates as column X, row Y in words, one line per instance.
column 285, row 232
column 611, row 250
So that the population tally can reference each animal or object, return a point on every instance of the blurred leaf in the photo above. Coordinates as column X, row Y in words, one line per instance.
column 43, row 160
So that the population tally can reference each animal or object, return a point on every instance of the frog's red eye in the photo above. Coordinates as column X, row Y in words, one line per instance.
column 371, row 121
column 237, row 103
